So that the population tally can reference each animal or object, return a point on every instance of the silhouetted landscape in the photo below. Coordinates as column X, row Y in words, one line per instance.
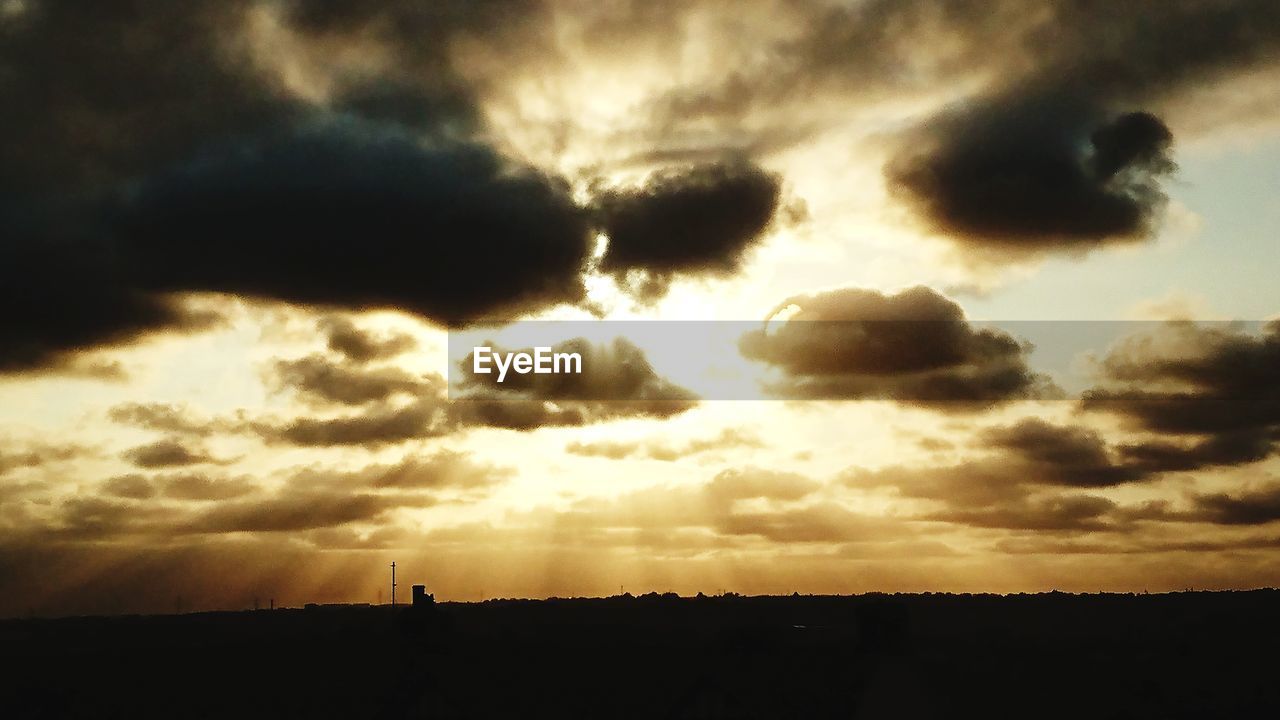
column 1191, row 654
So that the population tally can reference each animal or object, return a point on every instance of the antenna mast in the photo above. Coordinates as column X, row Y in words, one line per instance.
column 393, row 584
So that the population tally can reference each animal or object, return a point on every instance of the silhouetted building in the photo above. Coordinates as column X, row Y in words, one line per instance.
column 421, row 598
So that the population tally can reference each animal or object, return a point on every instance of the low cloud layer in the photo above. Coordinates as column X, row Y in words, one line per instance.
column 309, row 498
column 1022, row 470
column 376, row 405
column 1035, row 475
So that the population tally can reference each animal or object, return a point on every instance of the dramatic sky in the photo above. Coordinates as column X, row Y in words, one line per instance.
column 1017, row 261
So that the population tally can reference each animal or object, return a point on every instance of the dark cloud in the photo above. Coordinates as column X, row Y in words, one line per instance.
column 300, row 511
column 420, row 38
column 913, row 347
column 167, row 453
column 1211, row 391
column 513, row 412
column 699, row 220
column 1053, row 138
column 314, row 498
column 1223, row 449
column 1019, row 464
column 1017, row 482
column 87, row 366
column 1053, row 512
column 143, row 82
column 1255, row 507
column 239, row 146
column 1036, row 176
column 972, row 484
column 1061, row 149
column 1134, row 545
column 375, row 426
column 315, row 377
column 361, row 346
column 126, row 74
column 453, row 233
column 190, row 486
column 174, row 158
column 1004, row 492
column 309, row 498
column 1061, row 455
column 59, row 295
column 394, row 406
column 140, row 83
column 935, row 445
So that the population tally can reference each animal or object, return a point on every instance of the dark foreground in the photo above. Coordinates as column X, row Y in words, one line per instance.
column 1188, row 655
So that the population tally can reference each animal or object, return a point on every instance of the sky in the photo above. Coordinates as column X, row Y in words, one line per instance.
column 874, row 295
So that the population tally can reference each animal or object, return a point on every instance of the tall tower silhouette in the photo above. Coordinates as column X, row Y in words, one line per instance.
column 393, row 583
